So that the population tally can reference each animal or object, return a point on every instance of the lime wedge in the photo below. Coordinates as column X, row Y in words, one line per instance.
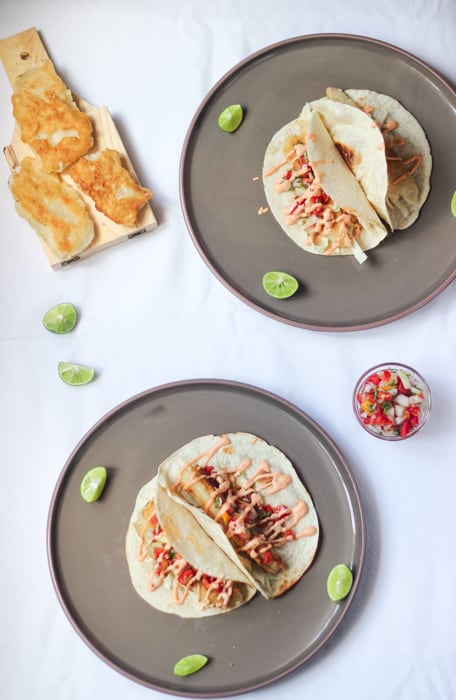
column 280, row 285
column 93, row 484
column 190, row 664
column 75, row 375
column 231, row 117
column 339, row 583
column 60, row 319
column 453, row 204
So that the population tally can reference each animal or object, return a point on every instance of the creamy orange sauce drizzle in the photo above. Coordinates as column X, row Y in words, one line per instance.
column 416, row 160
column 211, row 591
column 262, row 210
column 275, row 168
column 388, row 126
column 203, row 458
column 396, row 141
column 328, row 225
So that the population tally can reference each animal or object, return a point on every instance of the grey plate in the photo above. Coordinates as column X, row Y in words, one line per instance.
column 220, row 201
column 250, row 647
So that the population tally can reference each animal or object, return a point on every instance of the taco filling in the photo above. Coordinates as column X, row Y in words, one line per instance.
column 384, row 146
column 249, row 499
column 164, row 577
column 165, row 562
column 255, row 528
column 328, row 226
column 313, row 194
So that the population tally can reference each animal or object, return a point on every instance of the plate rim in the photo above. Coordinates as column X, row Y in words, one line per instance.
column 368, row 41
column 354, row 499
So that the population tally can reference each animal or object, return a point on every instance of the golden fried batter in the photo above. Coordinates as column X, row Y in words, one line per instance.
column 56, row 210
column 50, row 122
column 114, row 191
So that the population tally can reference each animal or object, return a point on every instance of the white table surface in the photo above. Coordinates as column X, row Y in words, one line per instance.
column 153, row 313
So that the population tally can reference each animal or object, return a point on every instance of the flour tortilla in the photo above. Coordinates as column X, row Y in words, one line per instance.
column 358, row 134
column 201, row 552
column 337, row 181
column 297, row 554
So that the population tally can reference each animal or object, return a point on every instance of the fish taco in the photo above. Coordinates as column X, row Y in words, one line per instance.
column 247, row 496
column 206, row 583
column 313, row 194
column 385, row 147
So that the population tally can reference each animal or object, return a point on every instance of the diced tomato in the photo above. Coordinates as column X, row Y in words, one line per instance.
column 185, row 575
column 159, row 551
column 381, row 419
column 207, row 469
column 287, row 175
column 322, row 198
column 267, row 557
column 401, row 388
column 405, row 428
column 373, row 379
column 207, row 580
column 298, row 203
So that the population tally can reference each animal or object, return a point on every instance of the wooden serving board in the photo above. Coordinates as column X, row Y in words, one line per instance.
column 26, row 50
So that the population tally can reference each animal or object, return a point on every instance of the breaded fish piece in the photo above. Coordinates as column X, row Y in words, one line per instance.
column 56, row 210
column 49, row 120
column 116, row 194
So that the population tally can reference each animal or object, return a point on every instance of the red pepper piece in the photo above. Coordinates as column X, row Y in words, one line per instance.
column 405, row 428
column 299, row 203
column 373, row 379
column 158, row 551
column 267, row 557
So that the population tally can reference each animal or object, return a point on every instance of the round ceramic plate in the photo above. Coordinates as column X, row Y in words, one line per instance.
column 249, row 647
column 220, row 200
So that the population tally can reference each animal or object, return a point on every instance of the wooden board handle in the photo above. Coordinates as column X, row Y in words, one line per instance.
column 22, row 51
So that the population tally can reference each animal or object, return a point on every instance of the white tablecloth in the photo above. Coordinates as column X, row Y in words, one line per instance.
column 152, row 313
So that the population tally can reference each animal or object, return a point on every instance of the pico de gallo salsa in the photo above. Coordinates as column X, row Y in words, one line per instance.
column 391, row 402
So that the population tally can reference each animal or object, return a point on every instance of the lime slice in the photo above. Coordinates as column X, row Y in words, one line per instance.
column 190, row 664
column 339, row 583
column 453, row 204
column 61, row 318
column 231, row 117
column 75, row 375
column 280, row 285
column 93, row 484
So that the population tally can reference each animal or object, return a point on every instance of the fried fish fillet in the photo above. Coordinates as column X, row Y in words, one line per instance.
column 116, row 194
column 49, row 120
column 56, row 210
